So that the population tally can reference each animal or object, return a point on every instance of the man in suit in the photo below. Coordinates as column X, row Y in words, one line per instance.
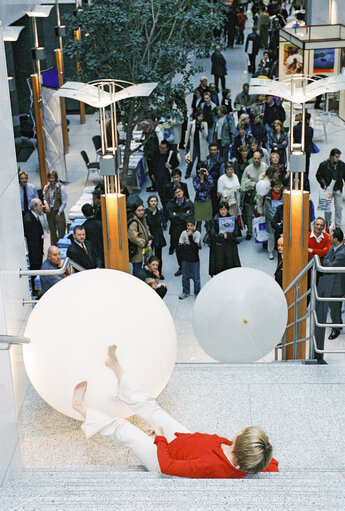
column 252, row 48
column 33, row 232
column 82, row 251
column 331, row 285
column 93, row 232
column 28, row 191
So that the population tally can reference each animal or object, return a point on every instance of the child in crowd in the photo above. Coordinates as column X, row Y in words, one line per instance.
column 189, row 245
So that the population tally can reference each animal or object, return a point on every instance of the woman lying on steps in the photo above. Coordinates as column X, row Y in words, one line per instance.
column 174, row 451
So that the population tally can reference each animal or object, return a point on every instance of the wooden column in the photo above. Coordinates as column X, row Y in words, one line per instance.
column 37, row 101
column 59, row 65
column 115, row 239
column 295, row 232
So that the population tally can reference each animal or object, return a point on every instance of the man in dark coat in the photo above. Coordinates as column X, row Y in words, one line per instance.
column 180, row 209
column 252, row 48
column 273, row 111
column 331, row 170
column 33, row 232
column 331, row 285
column 164, row 160
column 215, row 167
column 82, row 251
column 176, row 181
column 231, row 26
column 218, row 67
column 93, row 232
column 308, row 137
column 151, row 144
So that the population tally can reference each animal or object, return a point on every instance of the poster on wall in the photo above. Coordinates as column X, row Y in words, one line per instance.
column 324, row 61
column 293, row 59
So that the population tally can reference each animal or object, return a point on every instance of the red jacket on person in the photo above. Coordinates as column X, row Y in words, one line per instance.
column 241, row 20
column 321, row 248
column 198, row 455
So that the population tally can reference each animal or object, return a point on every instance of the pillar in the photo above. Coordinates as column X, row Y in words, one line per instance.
column 115, row 239
column 295, row 232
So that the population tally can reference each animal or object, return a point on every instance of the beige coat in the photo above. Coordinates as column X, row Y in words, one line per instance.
column 137, row 234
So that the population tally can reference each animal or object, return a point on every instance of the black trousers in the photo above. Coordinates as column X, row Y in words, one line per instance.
column 216, row 81
column 252, row 59
column 158, row 253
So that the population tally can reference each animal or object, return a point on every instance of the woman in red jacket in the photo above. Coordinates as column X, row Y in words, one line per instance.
column 175, row 451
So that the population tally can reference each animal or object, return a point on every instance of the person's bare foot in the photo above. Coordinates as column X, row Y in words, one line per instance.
column 78, row 399
column 113, row 363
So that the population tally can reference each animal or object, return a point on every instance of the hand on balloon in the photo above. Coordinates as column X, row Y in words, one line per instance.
column 156, row 431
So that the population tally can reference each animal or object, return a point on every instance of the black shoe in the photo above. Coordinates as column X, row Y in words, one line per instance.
column 321, row 362
column 150, row 189
column 178, row 273
column 187, row 176
column 248, row 237
column 334, row 334
column 161, row 276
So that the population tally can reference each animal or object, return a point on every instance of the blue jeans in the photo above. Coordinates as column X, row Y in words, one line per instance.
column 137, row 268
column 189, row 269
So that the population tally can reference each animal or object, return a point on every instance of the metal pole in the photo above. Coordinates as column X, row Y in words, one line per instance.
column 312, row 307
column 37, row 101
column 295, row 334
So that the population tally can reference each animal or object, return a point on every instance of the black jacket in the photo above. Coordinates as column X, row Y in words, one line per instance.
column 33, row 232
column 218, row 64
column 155, row 225
column 89, row 260
column 325, row 173
column 178, row 215
column 256, row 43
column 94, row 233
column 309, row 133
column 273, row 113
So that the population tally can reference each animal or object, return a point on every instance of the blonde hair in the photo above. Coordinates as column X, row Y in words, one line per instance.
column 252, row 450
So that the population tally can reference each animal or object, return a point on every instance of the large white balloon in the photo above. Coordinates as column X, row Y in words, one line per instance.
column 74, row 323
column 263, row 187
column 239, row 315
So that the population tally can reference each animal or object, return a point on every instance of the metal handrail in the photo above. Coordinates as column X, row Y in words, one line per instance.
column 67, row 262
column 314, row 265
column 6, row 341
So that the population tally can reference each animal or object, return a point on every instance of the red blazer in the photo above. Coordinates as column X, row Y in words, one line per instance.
column 199, row 455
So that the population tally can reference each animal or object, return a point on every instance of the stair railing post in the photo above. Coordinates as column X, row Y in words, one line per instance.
column 295, row 333
column 312, row 307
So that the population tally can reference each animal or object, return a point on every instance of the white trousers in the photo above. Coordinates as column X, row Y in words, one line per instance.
column 124, row 433
column 338, row 209
column 271, row 242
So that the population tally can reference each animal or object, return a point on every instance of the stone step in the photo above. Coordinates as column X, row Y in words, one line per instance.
column 133, row 488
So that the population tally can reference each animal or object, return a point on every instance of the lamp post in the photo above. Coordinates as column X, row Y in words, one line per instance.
column 60, row 31
column 38, row 53
column 297, row 91
column 104, row 94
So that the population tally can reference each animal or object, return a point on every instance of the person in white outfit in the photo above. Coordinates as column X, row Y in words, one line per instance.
column 120, row 430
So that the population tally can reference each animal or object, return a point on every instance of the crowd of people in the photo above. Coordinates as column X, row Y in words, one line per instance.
column 236, row 154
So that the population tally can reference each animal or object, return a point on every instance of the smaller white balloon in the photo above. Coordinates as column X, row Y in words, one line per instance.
column 240, row 315
column 263, row 187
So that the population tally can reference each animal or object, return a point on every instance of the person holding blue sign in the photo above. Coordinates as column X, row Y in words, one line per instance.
column 223, row 249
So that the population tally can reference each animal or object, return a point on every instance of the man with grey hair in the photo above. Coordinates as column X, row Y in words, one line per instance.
column 53, row 262
column 34, row 234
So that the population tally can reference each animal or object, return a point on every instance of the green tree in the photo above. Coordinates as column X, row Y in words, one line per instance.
column 144, row 41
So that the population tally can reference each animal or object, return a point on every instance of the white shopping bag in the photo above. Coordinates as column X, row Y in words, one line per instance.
column 325, row 199
column 259, row 229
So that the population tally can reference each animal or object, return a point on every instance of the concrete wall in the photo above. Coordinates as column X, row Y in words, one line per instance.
column 13, row 290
